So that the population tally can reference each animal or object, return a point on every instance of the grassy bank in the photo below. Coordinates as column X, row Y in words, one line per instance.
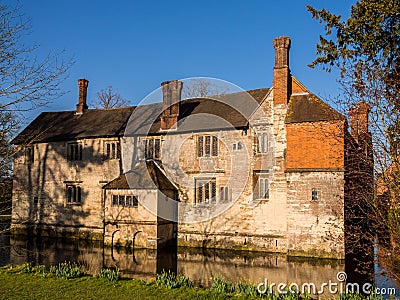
column 68, row 281
column 18, row 284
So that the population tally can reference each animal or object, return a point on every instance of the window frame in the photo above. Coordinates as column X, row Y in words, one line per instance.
column 261, row 186
column 121, row 200
column 224, row 194
column 206, row 192
column 73, row 194
column 30, row 154
column 207, row 145
column 262, row 142
column 153, row 147
column 73, row 149
column 315, row 195
column 112, row 149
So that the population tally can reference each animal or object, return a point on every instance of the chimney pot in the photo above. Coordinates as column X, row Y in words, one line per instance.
column 82, row 106
column 282, row 47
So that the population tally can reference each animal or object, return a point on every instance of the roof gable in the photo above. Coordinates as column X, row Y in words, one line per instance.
column 146, row 175
column 309, row 108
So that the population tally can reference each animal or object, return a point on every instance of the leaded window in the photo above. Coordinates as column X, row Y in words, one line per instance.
column 206, row 190
column 207, row 145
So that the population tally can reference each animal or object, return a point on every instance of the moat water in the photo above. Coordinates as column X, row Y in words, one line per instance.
column 201, row 265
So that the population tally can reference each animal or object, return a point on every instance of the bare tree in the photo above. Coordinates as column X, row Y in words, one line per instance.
column 26, row 83
column 109, row 99
column 201, row 88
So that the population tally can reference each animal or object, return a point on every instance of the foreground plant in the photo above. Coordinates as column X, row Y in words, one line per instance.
column 111, row 275
column 171, row 281
column 67, row 270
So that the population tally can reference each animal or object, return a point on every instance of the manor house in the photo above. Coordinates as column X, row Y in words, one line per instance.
column 265, row 169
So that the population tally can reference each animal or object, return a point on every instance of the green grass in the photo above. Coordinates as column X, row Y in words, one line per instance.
column 28, row 282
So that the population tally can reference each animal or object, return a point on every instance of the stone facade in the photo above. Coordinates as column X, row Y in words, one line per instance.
column 40, row 187
column 278, row 171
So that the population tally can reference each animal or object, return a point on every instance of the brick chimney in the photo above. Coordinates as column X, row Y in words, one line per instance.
column 282, row 84
column 82, row 106
column 359, row 119
column 171, row 103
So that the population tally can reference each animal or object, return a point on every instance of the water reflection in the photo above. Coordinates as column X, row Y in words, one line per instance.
column 199, row 264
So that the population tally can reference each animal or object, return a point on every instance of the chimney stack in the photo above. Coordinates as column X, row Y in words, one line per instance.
column 171, row 103
column 282, row 84
column 359, row 119
column 82, row 106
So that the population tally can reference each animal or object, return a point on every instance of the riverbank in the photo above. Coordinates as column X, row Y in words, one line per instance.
column 68, row 281
column 18, row 284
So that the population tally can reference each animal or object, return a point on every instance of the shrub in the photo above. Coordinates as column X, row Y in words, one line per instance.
column 111, row 275
column 171, row 281
column 67, row 270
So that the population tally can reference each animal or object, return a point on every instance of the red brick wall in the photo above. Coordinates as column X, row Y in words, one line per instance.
column 297, row 88
column 318, row 145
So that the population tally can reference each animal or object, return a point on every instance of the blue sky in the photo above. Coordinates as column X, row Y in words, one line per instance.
column 135, row 45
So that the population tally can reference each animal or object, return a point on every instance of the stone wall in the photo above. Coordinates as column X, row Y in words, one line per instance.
column 248, row 223
column 139, row 226
column 316, row 226
column 40, row 187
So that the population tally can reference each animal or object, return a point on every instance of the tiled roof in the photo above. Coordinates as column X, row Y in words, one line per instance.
column 309, row 108
column 64, row 126
column 146, row 175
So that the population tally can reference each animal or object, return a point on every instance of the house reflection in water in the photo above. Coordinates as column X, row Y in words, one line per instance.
column 199, row 265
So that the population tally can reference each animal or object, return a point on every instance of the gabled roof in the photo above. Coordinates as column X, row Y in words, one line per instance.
column 309, row 108
column 146, row 175
column 67, row 125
